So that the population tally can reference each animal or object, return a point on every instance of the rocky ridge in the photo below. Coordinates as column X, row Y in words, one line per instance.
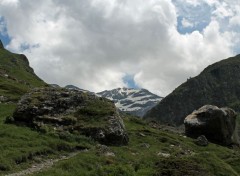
column 218, row 84
column 1, row 44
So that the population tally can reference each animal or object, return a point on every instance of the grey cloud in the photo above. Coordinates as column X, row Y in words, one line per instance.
column 94, row 44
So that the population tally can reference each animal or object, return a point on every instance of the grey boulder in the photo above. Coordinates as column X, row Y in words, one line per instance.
column 217, row 124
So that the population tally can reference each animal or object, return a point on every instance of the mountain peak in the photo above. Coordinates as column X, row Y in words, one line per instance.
column 1, row 45
column 130, row 100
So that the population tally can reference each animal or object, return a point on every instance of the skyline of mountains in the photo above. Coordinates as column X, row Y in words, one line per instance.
column 133, row 101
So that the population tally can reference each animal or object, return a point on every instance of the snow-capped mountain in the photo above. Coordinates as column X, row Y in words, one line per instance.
column 133, row 101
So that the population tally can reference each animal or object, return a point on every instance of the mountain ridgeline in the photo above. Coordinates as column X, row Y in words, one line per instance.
column 16, row 76
column 132, row 101
column 1, row 45
column 218, row 84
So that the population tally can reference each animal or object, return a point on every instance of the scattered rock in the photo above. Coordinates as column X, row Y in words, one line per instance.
column 141, row 134
column 3, row 99
column 63, row 110
column 145, row 145
column 202, row 141
column 217, row 124
column 134, row 154
column 104, row 150
column 165, row 155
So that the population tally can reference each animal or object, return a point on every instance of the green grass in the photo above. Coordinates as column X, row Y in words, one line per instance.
column 12, row 90
column 18, row 67
column 186, row 158
column 20, row 75
column 19, row 146
column 95, row 113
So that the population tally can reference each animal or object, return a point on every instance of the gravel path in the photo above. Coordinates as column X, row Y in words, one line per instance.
column 45, row 164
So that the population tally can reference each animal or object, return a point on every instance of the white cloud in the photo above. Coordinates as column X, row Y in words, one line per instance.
column 186, row 23
column 235, row 21
column 223, row 10
column 193, row 2
column 8, row 2
column 94, row 44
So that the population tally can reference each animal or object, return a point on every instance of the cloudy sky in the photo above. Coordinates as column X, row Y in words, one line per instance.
column 104, row 44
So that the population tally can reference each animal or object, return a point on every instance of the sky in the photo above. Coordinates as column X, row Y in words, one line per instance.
column 104, row 44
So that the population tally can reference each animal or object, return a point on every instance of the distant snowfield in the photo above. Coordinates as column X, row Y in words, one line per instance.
column 133, row 101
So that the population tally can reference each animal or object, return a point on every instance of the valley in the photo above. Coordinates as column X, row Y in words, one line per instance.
column 63, row 131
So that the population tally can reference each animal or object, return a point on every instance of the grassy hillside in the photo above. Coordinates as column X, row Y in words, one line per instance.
column 185, row 158
column 16, row 76
column 150, row 152
column 20, row 146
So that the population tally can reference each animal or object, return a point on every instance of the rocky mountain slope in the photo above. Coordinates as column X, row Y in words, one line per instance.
column 218, row 84
column 133, row 101
column 16, row 76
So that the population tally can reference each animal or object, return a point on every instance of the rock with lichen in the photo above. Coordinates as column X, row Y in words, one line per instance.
column 217, row 124
column 63, row 110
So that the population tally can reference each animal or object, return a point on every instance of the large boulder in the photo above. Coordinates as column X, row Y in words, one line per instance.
column 63, row 110
column 217, row 124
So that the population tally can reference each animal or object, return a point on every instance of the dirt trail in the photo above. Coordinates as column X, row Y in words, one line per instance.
column 45, row 164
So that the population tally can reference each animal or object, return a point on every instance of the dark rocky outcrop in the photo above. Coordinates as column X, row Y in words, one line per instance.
column 202, row 141
column 217, row 124
column 1, row 45
column 62, row 110
column 218, row 84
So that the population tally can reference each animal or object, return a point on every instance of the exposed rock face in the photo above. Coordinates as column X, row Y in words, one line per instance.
column 63, row 110
column 1, row 45
column 217, row 124
column 218, row 84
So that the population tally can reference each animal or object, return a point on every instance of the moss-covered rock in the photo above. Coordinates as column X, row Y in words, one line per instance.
column 62, row 110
